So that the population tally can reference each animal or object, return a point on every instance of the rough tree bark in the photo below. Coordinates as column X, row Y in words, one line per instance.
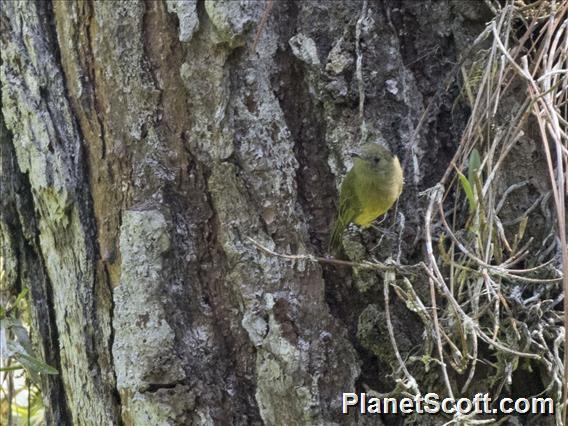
column 144, row 142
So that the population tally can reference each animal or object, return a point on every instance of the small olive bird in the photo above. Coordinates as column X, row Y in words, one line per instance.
column 369, row 189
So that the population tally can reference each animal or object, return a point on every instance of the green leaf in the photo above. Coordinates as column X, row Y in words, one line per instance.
column 31, row 363
column 20, row 332
column 474, row 165
column 22, row 336
column 14, row 368
column 468, row 191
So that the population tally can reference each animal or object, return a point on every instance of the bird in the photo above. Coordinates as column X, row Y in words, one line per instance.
column 369, row 190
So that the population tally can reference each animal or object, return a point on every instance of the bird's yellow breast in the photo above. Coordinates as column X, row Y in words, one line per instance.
column 368, row 216
column 378, row 196
column 374, row 207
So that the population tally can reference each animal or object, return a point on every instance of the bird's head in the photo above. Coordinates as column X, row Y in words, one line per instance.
column 375, row 158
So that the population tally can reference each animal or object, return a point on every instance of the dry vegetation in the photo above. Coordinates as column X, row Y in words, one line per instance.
column 490, row 286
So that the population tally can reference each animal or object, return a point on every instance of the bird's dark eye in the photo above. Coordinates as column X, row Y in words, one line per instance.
column 376, row 160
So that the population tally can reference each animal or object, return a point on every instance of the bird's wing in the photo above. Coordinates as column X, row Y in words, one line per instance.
column 349, row 209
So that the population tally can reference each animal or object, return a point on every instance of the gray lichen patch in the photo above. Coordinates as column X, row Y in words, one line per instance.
column 339, row 58
column 275, row 400
column 144, row 344
column 279, row 363
column 208, row 138
column 265, row 149
column 304, row 48
column 55, row 206
column 206, row 79
column 231, row 19
column 372, row 333
column 50, row 171
column 230, row 202
column 128, row 92
column 186, row 11
column 171, row 406
column 48, row 149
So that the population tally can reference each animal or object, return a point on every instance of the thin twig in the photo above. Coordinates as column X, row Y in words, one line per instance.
column 262, row 24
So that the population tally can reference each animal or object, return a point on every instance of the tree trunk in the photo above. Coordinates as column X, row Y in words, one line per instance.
column 147, row 143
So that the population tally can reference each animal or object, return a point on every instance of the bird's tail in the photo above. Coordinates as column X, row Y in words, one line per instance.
column 336, row 239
